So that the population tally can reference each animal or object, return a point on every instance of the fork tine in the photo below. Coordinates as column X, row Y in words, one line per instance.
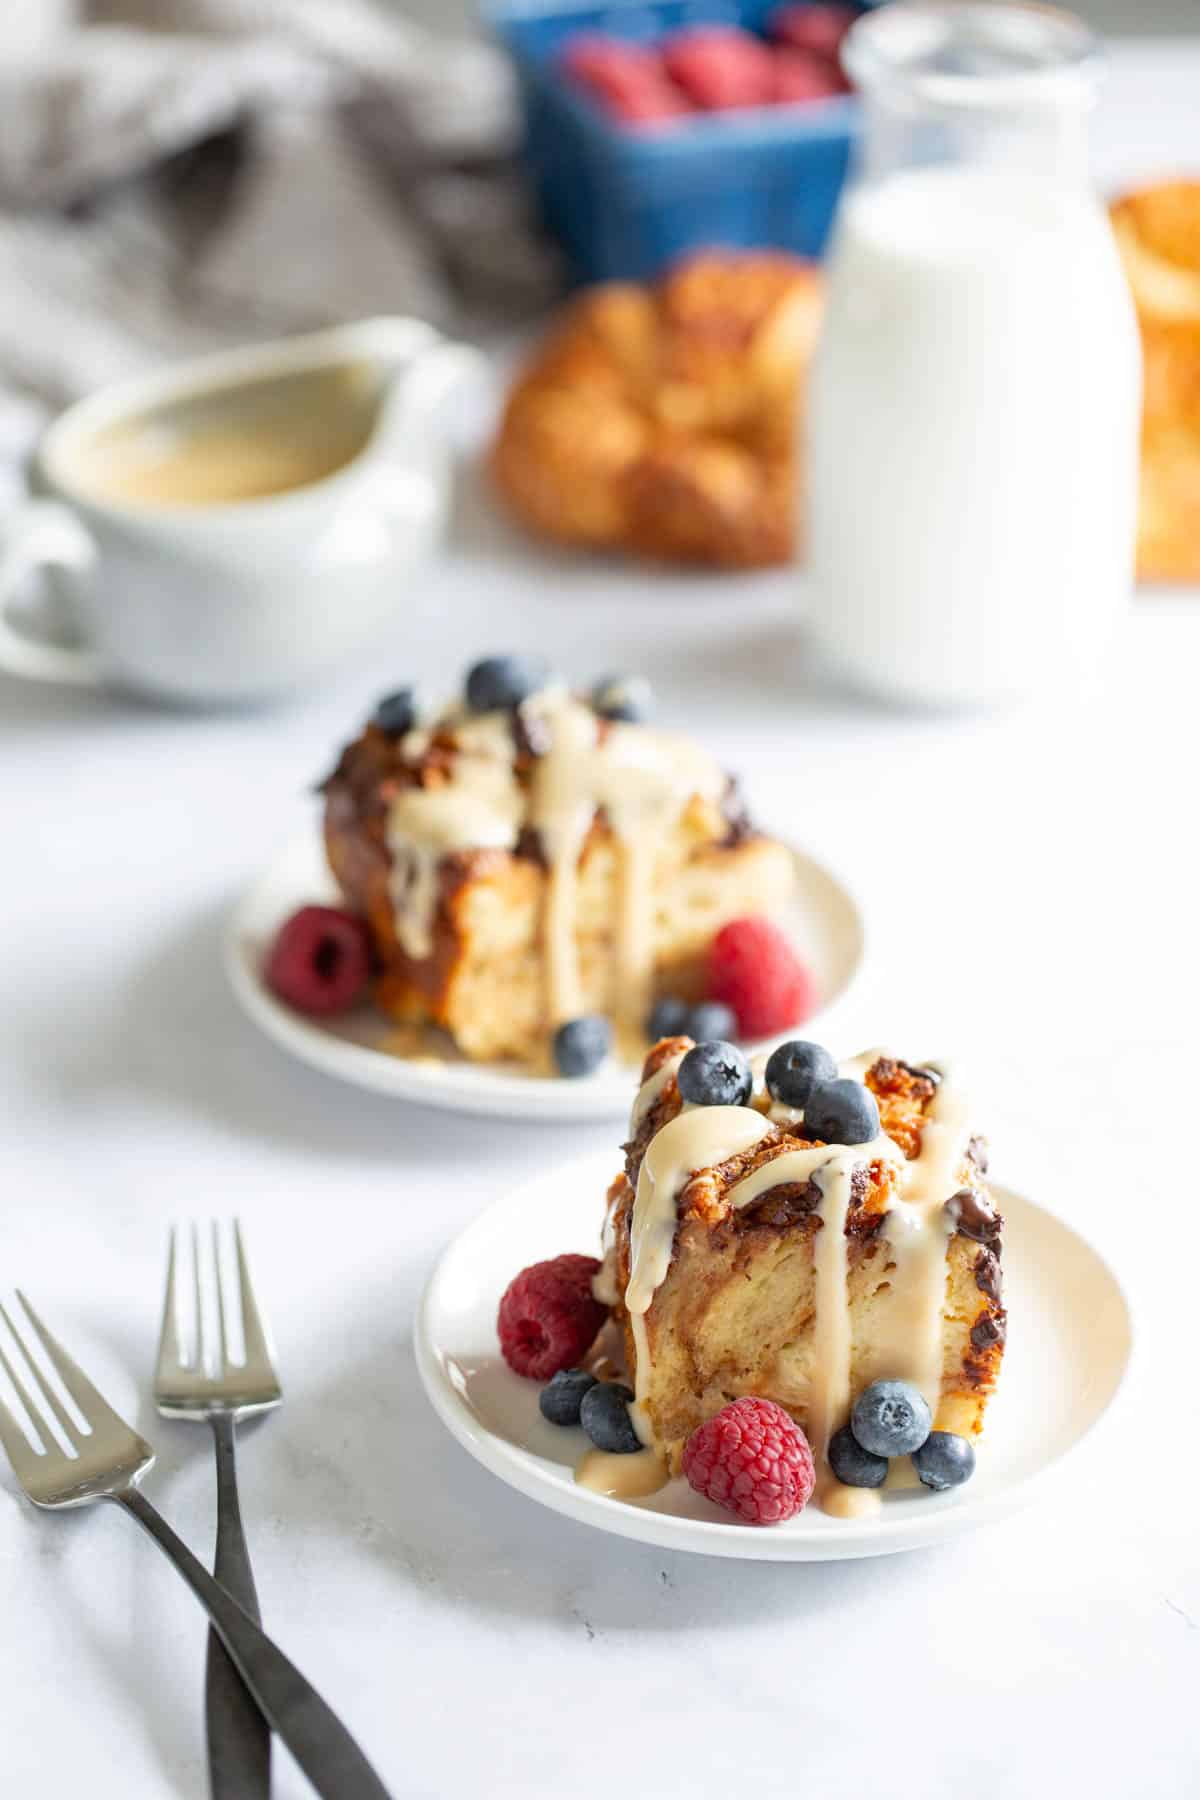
column 19, row 1451
column 199, row 1361
column 32, row 1412
column 254, row 1337
column 170, row 1347
column 69, row 1428
column 92, row 1405
column 222, row 1334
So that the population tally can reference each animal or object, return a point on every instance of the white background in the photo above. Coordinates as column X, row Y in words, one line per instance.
column 1030, row 884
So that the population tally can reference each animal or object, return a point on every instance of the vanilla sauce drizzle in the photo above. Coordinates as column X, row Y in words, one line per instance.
column 832, row 1168
column 650, row 1090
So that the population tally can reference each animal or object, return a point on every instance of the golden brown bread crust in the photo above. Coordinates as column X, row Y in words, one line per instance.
column 662, row 419
column 1158, row 231
column 733, row 1315
column 1158, row 234
column 483, row 981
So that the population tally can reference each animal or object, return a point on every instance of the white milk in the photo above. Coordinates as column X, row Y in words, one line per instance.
column 973, row 431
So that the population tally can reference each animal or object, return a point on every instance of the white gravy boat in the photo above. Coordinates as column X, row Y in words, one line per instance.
column 224, row 594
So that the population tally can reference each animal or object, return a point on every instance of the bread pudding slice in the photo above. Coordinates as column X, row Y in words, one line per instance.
column 745, row 1258
column 522, row 866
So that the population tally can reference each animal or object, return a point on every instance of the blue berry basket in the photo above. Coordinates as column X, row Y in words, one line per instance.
column 626, row 202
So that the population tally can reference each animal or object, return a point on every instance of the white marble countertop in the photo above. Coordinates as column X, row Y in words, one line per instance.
column 1031, row 891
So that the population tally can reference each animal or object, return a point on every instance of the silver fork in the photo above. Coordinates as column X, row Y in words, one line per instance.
column 106, row 1462
column 197, row 1379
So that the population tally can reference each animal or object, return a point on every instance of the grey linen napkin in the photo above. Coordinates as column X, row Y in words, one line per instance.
column 176, row 175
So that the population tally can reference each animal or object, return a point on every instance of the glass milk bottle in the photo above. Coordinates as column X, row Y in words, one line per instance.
column 974, row 403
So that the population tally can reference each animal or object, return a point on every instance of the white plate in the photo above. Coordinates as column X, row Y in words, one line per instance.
column 1069, row 1347
column 822, row 919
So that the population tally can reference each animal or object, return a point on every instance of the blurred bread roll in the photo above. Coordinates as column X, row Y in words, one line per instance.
column 1158, row 234
column 662, row 419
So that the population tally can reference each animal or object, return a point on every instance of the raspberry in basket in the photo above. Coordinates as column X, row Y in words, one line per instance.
column 719, row 66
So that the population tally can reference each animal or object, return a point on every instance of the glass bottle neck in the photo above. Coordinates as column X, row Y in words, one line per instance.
column 1051, row 142
column 952, row 82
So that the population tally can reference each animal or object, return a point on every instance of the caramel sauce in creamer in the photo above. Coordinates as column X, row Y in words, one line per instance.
column 643, row 780
column 906, row 1330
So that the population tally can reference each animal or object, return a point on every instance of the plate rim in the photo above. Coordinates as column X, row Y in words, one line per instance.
column 490, row 1091
column 947, row 1516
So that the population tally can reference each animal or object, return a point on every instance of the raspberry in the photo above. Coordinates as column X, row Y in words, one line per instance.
column 628, row 79
column 321, row 960
column 820, row 28
column 754, row 969
column 752, row 1459
column 801, row 75
column 548, row 1316
column 654, row 104
column 720, row 66
column 593, row 53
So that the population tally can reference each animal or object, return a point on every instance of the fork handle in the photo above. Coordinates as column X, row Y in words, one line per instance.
column 313, row 1733
column 239, row 1738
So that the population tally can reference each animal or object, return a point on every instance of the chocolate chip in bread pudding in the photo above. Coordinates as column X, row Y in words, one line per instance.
column 781, row 1206
column 736, row 814
column 974, row 1216
column 529, row 845
column 922, row 1072
column 989, row 1329
column 987, row 1274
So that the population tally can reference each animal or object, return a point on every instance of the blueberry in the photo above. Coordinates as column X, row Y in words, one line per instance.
column 562, row 1397
column 604, row 1415
column 945, row 1460
column 711, row 1019
column 504, row 681
column 626, row 697
column 891, row 1418
column 582, row 1044
column 715, row 1074
column 396, row 713
column 795, row 1069
column 668, row 1018
column 841, row 1112
column 850, row 1462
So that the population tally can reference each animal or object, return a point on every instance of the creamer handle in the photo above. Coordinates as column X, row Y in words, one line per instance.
column 42, row 534
column 419, row 393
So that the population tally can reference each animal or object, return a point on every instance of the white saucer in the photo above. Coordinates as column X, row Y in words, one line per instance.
column 822, row 919
column 1069, row 1345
